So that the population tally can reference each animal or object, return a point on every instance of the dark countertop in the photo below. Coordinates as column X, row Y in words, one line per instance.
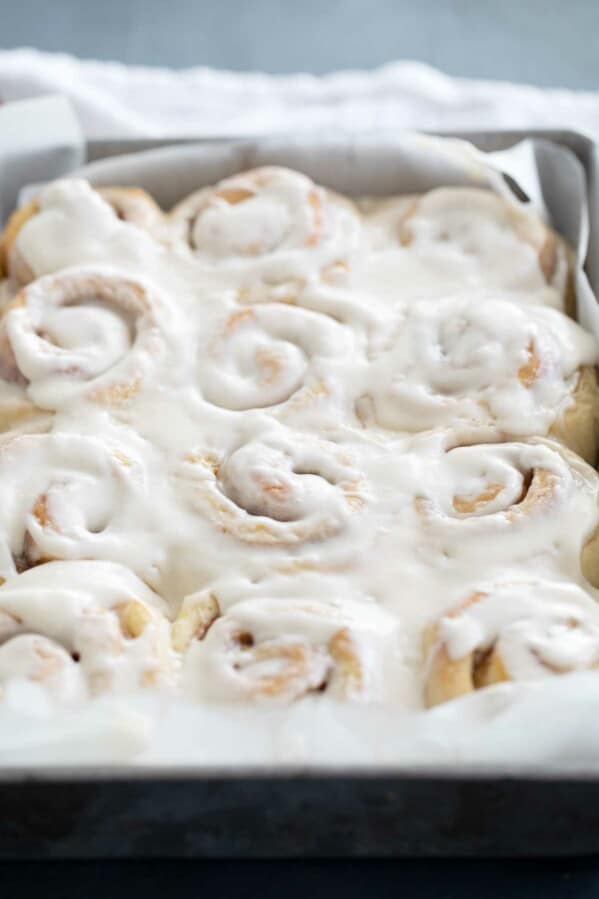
column 577, row 879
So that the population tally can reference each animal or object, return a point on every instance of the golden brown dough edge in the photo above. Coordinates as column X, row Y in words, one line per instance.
column 8, row 236
column 578, row 426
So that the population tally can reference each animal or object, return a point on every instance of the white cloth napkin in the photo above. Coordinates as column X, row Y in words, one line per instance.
column 116, row 100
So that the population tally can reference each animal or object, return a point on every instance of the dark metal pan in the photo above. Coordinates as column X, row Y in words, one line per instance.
column 236, row 814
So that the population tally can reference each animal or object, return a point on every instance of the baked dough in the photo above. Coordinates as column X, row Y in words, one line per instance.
column 255, row 447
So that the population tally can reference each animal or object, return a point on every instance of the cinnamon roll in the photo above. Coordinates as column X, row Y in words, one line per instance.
column 81, row 333
column 273, row 219
column 518, row 631
column 76, row 201
column 525, row 370
column 489, row 239
column 69, row 496
column 282, row 488
column 83, row 627
column 515, row 501
column 281, row 649
column 270, row 355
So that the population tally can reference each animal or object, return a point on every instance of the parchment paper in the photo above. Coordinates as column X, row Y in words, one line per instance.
column 39, row 140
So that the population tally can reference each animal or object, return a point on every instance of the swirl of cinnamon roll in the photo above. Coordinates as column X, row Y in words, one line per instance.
column 69, row 496
column 510, row 632
column 271, row 216
column 35, row 658
column 70, row 200
column 525, row 370
column 133, row 205
column 519, row 499
column 277, row 489
column 81, row 333
column 269, row 355
column 282, row 649
column 489, row 238
column 83, row 627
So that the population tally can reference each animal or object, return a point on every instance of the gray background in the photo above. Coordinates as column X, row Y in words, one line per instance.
column 543, row 42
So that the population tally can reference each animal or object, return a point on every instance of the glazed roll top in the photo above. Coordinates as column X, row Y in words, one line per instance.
column 83, row 627
column 281, row 649
column 507, row 502
column 487, row 239
column 69, row 496
column 39, row 231
column 524, row 370
column 271, row 355
column 273, row 215
column 510, row 631
column 278, row 489
column 81, row 333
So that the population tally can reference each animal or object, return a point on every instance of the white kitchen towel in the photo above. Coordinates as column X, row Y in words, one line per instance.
column 116, row 100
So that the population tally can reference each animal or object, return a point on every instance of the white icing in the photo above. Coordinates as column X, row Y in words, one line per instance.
column 513, row 501
column 538, row 628
column 479, row 361
column 275, row 490
column 47, row 242
column 81, row 331
column 472, row 235
column 66, row 496
column 236, row 394
column 274, row 221
column 76, row 605
column 296, row 647
column 264, row 356
column 35, row 658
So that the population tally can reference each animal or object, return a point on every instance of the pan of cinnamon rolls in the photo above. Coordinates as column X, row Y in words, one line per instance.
column 277, row 445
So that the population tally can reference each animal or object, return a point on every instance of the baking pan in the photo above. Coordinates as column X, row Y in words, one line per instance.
column 236, row 814
column 87, row 812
